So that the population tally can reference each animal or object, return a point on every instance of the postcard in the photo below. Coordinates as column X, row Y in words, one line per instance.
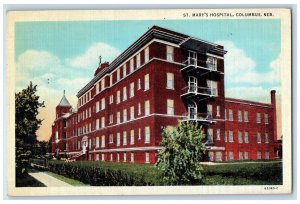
column 149, row 102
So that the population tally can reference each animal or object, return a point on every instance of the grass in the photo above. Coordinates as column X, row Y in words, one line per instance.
column 28, row 181
column 65, row 179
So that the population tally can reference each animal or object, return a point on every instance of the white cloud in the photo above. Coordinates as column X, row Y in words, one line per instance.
column 239, row 67
column 89, row 59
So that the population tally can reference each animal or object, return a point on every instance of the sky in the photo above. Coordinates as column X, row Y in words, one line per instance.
column 61, row 56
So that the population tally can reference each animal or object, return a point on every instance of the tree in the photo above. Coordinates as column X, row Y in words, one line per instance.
column 26, row 124
column 183, row 148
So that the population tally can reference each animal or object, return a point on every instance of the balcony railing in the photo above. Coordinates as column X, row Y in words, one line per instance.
column 197, row 90
column 194, row 63
column 201, row 117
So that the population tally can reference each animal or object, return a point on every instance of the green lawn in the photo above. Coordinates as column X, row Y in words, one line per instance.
column 65, row 179
column 28, row 181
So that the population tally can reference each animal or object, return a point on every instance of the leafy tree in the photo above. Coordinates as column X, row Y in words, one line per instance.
column 183, row 148
column 26, row 124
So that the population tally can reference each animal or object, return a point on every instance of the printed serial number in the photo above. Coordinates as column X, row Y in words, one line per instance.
column 271, row 188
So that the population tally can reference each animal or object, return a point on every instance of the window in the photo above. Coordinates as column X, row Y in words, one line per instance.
column 213, row 87
column 170, row 107
column 118, row 157
column 111, row 157
column 230, row 115
column 103, row 141
column 90, row 143
column 124, row 93
column 139, row 108
column 266, row 138
column 211, row 63
column 218, row 156
column 111, row 79
column 124, row 115
column 258, row 155
column 131, row 94
column 131, row 66
column 258, row 138
column 111, row 138
column 258, row 117
column 111, row 99
column 124, row 138
column 225, row 137
column 90, row 156
column 97, row 107
column 102, row 122
column 147, row 134
column 218, row 134
column 90, row 111
column 241, row 154
column 225, row 116
column 132, row 137
column 170, row 81
column 267, row 155
column 231, row 156
column 132, row 157
column 118, row 139
column 102, row 84
column 102, row 103
column 139, row 84
column 131, row 112
column 111, row 119
column 147, row 158
column 218, row 111
column 230, row 136
column 124, row 156
column 210, row 137
column 139, row 134
column 147, row 108
column 118, row 117
column 211, row 156
column 170, row 53
column 246, row 116
column 138, row 60
column 102, row 157
column 118, row 74
column 209, row 110
column 246, row 155
column 240, row 137
column 146, row 54
column 240, row 118
column 246, row 137
column 118, row 97
column 97, row 124
column 146, row 82
column 97, row 157
column 266, row 118
column 97, row 88
column 124, row 70
column 97, row 142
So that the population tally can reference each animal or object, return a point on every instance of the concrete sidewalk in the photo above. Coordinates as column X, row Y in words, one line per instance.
column 49, row 181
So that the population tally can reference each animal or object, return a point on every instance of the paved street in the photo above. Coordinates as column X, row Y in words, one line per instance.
column 49, row 181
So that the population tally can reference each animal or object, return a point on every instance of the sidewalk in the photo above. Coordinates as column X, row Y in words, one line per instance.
column 49, row 181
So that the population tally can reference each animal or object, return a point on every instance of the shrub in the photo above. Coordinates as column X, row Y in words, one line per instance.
column 107, row 173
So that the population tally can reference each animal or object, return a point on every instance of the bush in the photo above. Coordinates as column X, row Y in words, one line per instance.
column 107, row 173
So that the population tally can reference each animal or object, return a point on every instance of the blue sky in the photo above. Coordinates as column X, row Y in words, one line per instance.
column 64, row 55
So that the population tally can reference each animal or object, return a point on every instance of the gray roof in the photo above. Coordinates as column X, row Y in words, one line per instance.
column 64, row 101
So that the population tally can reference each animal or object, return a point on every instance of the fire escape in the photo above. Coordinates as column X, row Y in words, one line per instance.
column 201, row 75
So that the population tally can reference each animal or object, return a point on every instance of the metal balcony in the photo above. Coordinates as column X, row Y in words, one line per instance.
column 192, row 90
column 198, row 117
column 192, row 64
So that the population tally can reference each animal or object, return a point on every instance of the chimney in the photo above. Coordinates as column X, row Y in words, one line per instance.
column 273, row 102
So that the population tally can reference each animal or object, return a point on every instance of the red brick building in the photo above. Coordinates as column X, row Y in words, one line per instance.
column 164, row 77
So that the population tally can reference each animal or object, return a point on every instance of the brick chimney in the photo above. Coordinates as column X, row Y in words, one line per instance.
column 273, row 102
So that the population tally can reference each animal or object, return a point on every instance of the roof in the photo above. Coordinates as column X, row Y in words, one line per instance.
column 64, row 101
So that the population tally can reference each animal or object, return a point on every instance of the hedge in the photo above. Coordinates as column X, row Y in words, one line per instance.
column 107, row 173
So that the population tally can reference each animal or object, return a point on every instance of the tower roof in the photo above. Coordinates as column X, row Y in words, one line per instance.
column 64, row 101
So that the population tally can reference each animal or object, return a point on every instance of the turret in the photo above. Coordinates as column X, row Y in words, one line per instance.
column 63, row 106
